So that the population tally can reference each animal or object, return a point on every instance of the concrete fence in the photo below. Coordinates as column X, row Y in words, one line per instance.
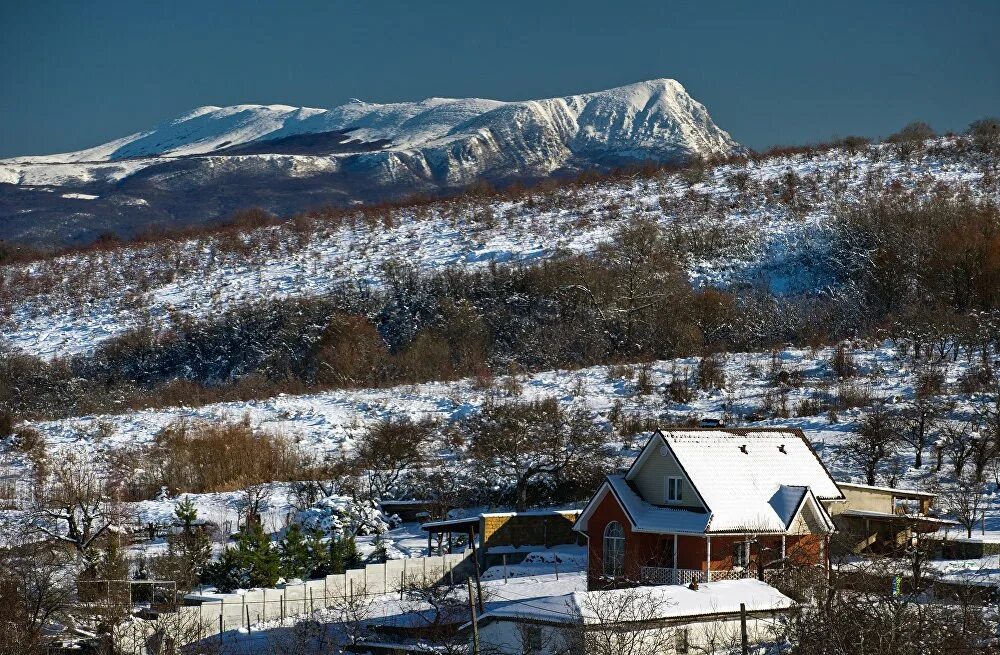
column 218, row 614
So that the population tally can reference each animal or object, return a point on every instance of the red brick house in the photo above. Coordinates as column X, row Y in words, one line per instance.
column 711, row 504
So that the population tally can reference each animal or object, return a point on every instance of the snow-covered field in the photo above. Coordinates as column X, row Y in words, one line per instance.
column 72, row 304
column 329, row 423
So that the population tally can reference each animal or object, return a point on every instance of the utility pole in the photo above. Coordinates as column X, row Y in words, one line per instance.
column 475, row 619
column 745, row 646
column 475, row 561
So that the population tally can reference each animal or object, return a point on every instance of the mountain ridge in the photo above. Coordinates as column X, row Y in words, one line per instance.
column 174, row 173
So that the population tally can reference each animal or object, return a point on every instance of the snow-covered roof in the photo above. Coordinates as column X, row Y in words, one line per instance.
column 668, row 601
column 902, row 493
column 748, row 479
column 643, row 516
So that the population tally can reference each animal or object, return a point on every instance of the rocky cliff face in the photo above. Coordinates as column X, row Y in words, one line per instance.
column 213, row 160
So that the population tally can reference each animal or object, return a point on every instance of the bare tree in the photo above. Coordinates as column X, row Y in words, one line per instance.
column 75, row 504
column 966, row 501
column 876, row 441
column 618, row 622
column 34, row 591
column 353, row 611
column 920, row 418
column 532, row 441
column 438, row 609
column 388, row 449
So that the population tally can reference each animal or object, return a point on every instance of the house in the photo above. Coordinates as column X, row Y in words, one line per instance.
column 711, row 504
column 882, row 519
column 667, row 619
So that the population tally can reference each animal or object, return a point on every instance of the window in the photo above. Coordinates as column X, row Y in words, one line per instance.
column 681, row 644
column 741, row 555
column 675, row 493
column 614, row 550
column 667, row 559
column 531, row 639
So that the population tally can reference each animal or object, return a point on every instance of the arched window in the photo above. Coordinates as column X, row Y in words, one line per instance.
column 614, row 550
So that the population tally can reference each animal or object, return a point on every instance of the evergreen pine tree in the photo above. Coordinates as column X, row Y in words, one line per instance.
column 186, row 513
column 352, row 558
column 381, row 552
column 296, row 560
column 336, row 556
column 253, row 562
column 319, row 554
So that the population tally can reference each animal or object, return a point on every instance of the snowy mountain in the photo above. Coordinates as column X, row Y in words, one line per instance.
column 213, row 160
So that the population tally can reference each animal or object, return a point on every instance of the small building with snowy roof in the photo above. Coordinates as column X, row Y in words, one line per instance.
column 711, row 504
column 665, row 619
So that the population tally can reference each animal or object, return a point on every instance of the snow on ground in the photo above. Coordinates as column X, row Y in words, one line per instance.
column 767, row 241
column 328, row 423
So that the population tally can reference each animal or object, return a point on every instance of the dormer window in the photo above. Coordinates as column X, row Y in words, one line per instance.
column 675, row 493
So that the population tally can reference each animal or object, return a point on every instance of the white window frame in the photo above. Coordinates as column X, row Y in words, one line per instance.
column 678, row 488
column 614, row 557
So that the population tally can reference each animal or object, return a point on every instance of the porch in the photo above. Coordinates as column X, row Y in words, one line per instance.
column 660, row 575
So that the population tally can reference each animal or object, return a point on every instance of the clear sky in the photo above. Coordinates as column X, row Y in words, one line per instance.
column 78, row 73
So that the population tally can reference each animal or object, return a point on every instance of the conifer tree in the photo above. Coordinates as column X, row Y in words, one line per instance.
column 352, row 558
column 336, row 555
column 296, row 560
column 319, row 554
column 188, row 552
column 252, row 563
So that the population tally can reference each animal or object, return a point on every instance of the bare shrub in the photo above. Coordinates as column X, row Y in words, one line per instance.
column 842, row 363
column 711, row 372
column 207, row 457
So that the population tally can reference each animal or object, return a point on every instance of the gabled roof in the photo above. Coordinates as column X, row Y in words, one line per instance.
column 642, row 516
column 748, row 479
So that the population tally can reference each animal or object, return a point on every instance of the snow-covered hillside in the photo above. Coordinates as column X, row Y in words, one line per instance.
column 71, row 304
column 355, row 151
column 328, row 425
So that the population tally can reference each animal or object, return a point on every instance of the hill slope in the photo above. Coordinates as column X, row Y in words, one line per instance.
column 212, row 160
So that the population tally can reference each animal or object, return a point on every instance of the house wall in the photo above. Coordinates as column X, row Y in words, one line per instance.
column 651, row 478
column 646, row 549
column 808, row 521
column 869, row 500
column 528, row 529
column 641, row 549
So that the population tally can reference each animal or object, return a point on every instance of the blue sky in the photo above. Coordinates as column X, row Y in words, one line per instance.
column 80, row 73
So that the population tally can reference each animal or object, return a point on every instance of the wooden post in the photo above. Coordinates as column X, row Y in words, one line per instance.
column 312, row 608
column 282, row 601
column 505, row 568
column 247, row 610
column 475, row 620
column 430, row 547
column 744, row 642
column 402, row 583
column 220, row 621
column 475, row 561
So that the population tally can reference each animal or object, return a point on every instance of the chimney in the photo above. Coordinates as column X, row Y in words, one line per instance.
column 782, row 448
column 743, row 449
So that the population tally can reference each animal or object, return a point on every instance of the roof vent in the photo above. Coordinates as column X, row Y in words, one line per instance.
column 743, row 449
column 781, row 447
